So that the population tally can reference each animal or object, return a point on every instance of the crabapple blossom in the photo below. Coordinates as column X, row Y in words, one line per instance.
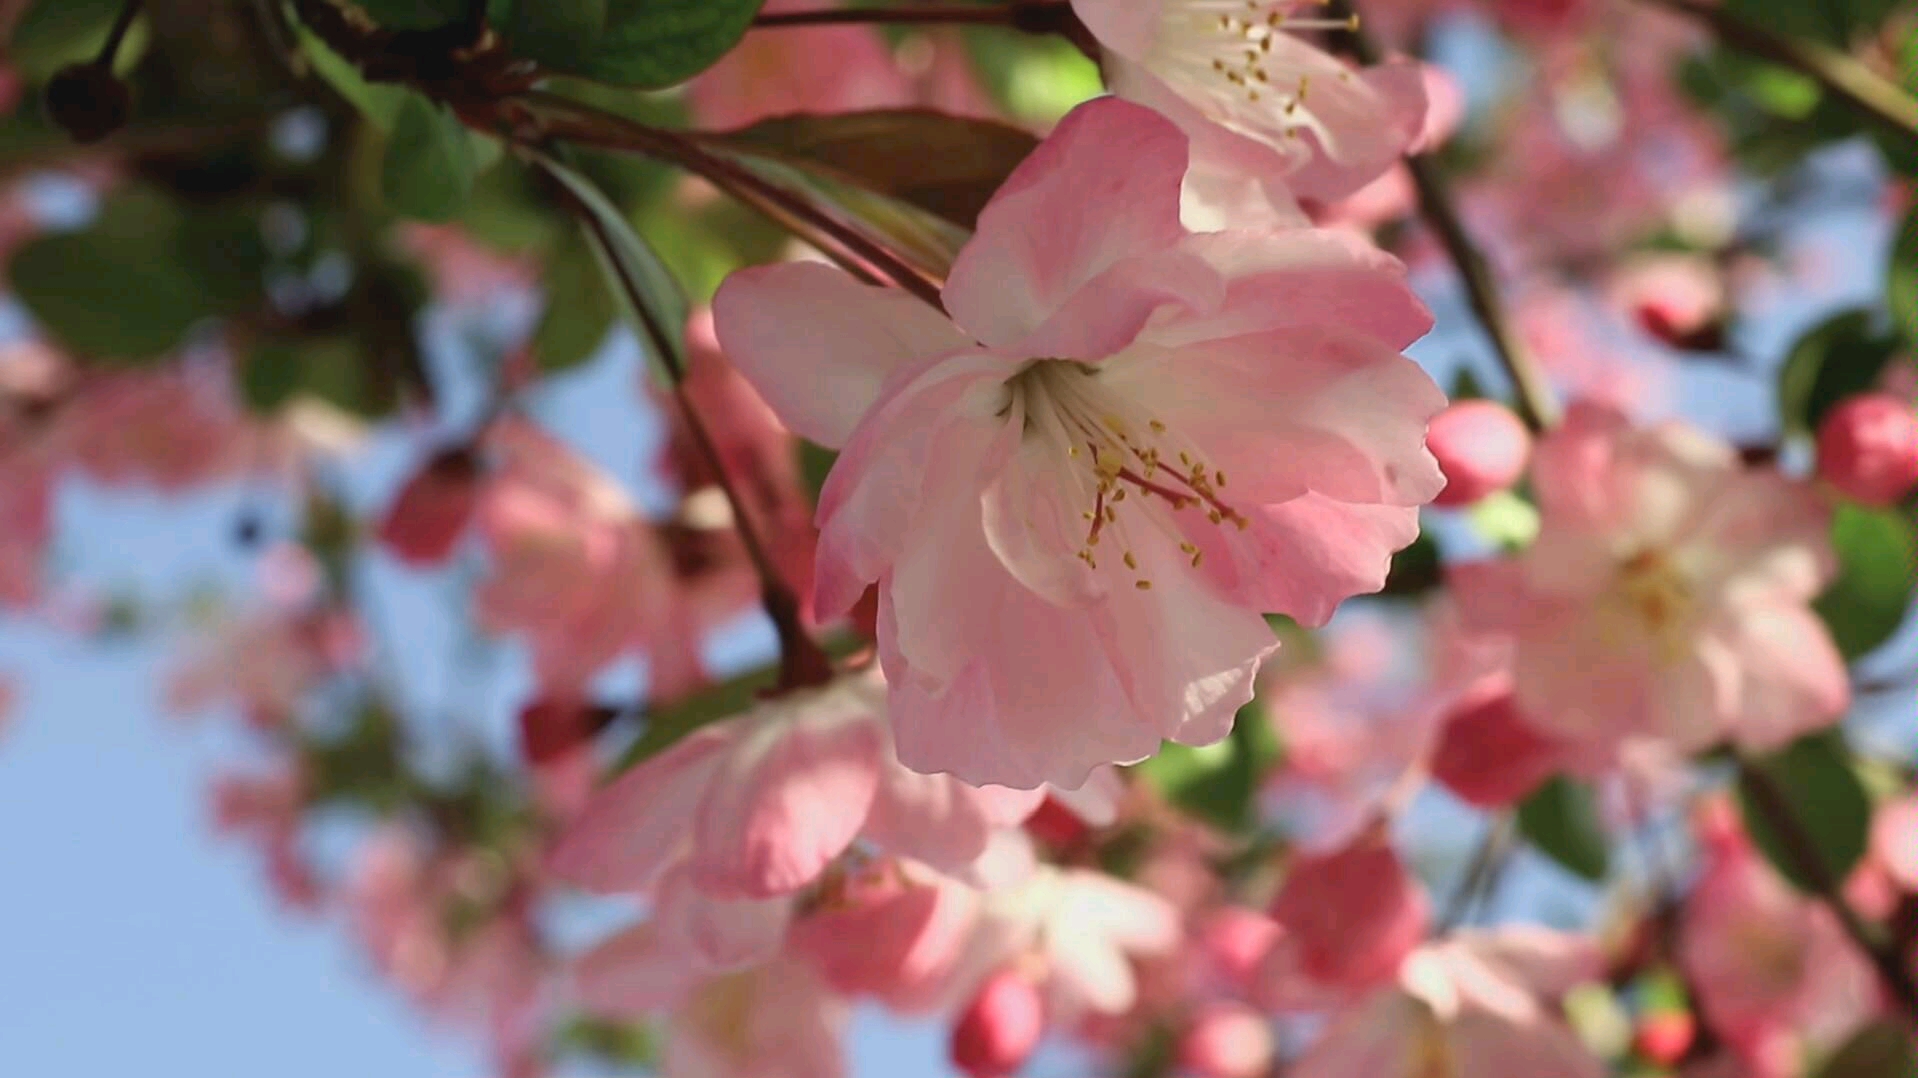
column 998, row 1030
column 1079, row 493
column 1774, row 972
column 1227, row 1040
column 774, row 1021
column 1894, row 841
column 757, row 806
column 1475, row 1004
column 894, row 930
column 1868, row 448
column 573, row 569
column 1481, row 447
column 1348, row 919
column 1666, row 595
column 1247, row 90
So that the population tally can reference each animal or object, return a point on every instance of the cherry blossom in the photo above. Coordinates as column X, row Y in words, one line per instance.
column 1236, row 79
column 1478, row 1003
column 1021, row 470
column 759, row 805
column 1666, row 594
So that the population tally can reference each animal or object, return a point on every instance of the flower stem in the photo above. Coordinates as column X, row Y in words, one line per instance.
column 1798, row 845
column 1495, row 849
column 586, row 126
column 802, row 662
column 1535, row 403
column 1864, row 90
column 116, row 34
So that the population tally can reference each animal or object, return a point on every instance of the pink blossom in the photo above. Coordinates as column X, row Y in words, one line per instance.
column 168, row 427
column 1244, row 88
column 574, row 569
column 1894, row 841
column 430, row 513
column 757, row 806
column 1488, row 754
column 1476, row 1004
column 1868, row 448
column 813, row 69
column 998, row 1030
column 776, row 1021
column 893, row 930
column 266, row 665
column 1678, row 298
column 1227, row 1040
column 1774, row 973
column 1481, row 447
column 1079, row 929
column 1348, row 919
column 26, row 514
column 1666, row 594
column 1019, row 471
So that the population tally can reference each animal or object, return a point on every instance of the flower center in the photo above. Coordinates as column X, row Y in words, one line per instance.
column 1233, row 40
column 1658, row 595
column 1120, row 457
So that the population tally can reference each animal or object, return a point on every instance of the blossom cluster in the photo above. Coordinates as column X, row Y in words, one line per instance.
column 1095, row 556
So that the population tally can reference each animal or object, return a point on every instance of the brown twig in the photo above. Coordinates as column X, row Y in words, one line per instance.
column 1535, row 403
column 1801, row 849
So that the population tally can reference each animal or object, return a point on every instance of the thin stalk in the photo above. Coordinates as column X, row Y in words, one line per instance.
column 121, row 24
column 586, row 126
column 1801, row 848
column 1858, row 86
column 802, row 662
column 1535, row 403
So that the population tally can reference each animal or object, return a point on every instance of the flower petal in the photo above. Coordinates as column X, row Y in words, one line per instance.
column 1102, row 188
column 1302, row 558
column 790, row 800
column 639, row 822
column 819, row 345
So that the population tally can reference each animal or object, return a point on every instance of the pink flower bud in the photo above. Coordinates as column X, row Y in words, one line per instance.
column 1868, row 448
column 1481, row 447
column 1488, row 754
column 1236, row 939
column 1226, row 1040
column 1664, row 1036
column 432, row 509
column 1000, row 1027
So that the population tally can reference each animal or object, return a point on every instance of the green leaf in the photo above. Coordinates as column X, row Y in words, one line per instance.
column 430, row 165
column 413, row 14
column 927, row 242
column 561, row 35
column 1813, row 776
column 1218, row 783
column 55, row 33
column 1880, row 1050
column 1901, row 283
column 121, row 290
column 815, row 463
column 947, row 165
column 330, row 368
column 633, row 270
column 379, row 102
column 579, row 309
column 1838, row 357
column 1877, row 560
column 654, row 43
column 1560, row 820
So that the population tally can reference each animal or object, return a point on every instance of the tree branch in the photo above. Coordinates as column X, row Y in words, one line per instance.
column 1801, row 848
column 1535, row 403
column 1864, row 90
